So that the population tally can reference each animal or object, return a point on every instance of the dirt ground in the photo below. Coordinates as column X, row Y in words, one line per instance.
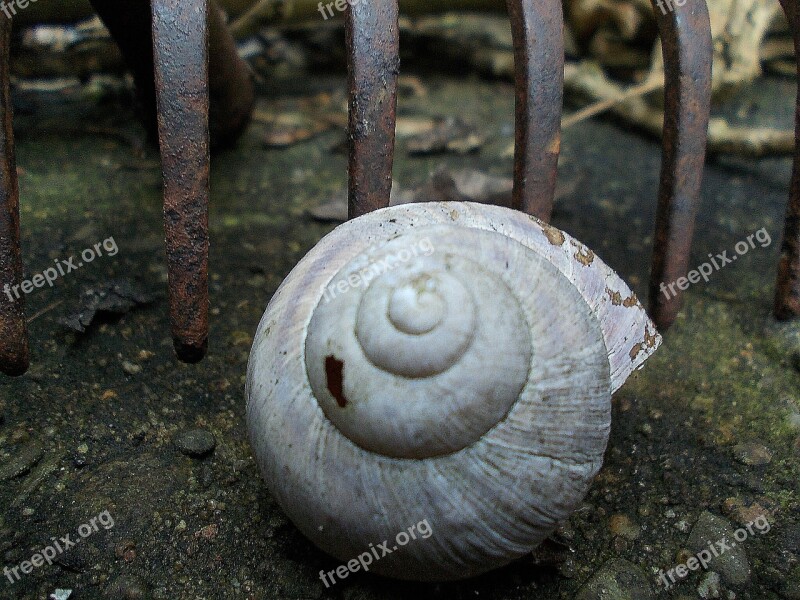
column 98, row 427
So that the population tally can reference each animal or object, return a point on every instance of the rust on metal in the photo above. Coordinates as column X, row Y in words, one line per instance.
column 14, row 352
column 230, row 84
column 787, row 295
column 180, row 50
column 686, row 43
column 538, row 34
column 373, row 52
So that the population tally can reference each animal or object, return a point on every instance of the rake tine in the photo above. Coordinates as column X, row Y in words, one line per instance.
column 373, row 47
column 686, row 43
column 180, row 50
column 128, row 21
column 14, row 351
column 787, row 295
column 538, row 33
column 230, row 80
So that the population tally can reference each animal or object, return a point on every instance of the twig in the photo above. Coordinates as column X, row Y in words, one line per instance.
column 644, row 88
column 587, row 79
column 45, row 310
column 750, row 142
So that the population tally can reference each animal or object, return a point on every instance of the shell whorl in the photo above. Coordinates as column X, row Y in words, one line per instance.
column 410, row 367
column 489, row 424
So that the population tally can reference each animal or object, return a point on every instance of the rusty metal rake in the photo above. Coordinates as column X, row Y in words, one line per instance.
column 537, row 27
column 180, row 68
column 166, row 45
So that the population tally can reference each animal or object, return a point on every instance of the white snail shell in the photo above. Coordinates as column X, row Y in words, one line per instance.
column 447, row 362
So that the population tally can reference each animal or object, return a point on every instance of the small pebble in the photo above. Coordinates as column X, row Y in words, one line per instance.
column 742, row 512
column 126, row 550
column 21, row 462
column 617, row 579
column 709, row 586
column 209, row 532
column 731, row 562
column 752, row 454
column 623, row 526
column 682, row 526
column 196, row 443
column 131, row 368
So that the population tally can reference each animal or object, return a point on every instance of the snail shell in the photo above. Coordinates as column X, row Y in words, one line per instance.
column 448, row 362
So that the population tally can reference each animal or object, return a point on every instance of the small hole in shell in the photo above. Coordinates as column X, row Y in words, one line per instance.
column 334, row 372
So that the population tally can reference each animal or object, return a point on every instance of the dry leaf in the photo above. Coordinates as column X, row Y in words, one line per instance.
column 117, row 297
column 289, row 128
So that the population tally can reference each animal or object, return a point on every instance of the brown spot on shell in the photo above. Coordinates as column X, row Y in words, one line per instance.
column 554, row 236
column 650, row 340
column 617, row 300
column 583, row 255
column 334, row 372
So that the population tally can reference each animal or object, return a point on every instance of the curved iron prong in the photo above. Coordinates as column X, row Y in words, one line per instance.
column 180, row 51
column 14, row 351
column 373, row 50
column 538, row 33
column 686, row 42
column 787, row 294
column 231, row 85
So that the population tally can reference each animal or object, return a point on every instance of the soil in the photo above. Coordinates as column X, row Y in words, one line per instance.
column 712, row 423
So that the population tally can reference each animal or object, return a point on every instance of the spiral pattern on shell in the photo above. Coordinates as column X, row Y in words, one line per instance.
column 447, row 362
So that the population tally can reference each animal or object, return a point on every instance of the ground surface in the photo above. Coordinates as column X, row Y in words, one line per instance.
column 711, row 424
